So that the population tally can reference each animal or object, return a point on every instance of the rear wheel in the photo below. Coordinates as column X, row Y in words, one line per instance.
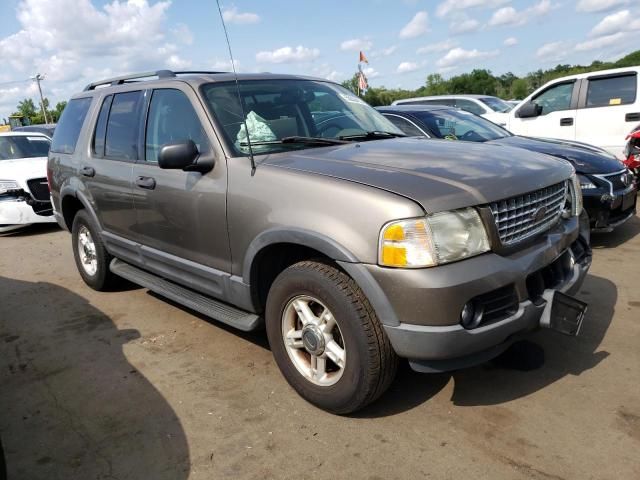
column 92, row 258
column 326, row 338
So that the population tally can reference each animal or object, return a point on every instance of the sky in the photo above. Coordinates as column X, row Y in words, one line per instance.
column 74, row 42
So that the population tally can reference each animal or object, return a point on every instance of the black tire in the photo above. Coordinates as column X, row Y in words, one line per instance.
column 371, row 362
column 103, row 279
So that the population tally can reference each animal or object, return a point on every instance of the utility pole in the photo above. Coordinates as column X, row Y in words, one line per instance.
column 37, row 79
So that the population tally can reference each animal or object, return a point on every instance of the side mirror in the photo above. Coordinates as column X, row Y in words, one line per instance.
column 529, row 110
column 183, row 156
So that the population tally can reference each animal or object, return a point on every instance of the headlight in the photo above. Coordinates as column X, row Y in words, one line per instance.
column 8, row 185
column 576, row 195
column 436, row 239
column 585, row 183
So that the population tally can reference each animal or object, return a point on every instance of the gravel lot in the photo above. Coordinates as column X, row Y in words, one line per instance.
column 126, row 385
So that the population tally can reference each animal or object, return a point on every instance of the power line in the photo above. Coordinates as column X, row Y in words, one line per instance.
column 15, row 81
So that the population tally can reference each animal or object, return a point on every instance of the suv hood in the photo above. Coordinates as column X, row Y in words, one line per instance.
column 585, row 158
column 23, row 169
column 438, row 174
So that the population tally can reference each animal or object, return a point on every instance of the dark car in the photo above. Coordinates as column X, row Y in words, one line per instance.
column 46, row 129
column 607, row 186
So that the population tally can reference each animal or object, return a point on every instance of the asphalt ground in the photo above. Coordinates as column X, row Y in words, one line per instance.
column 126, row 385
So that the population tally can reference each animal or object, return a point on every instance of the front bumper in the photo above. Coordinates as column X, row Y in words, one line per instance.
column 426, row 303
column 606, row 208
column 18, row 212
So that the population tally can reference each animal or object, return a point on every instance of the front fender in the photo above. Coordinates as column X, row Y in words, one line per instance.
column 299, row 236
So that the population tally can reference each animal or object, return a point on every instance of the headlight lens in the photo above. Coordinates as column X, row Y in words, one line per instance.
column 439, row 238
column 576, row 196
column 8, row 185
column 585, row 183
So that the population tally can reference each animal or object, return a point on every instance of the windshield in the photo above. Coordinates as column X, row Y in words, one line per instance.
column 496, row 104
column 14, row 147
column 460, row 125
column 286, row 109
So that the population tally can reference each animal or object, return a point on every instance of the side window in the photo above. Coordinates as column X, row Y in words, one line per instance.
column 123, row 126
column 172, row 119
column 404, row 125
column 555, row 98
column 101, row 127
column 603, row 92
column 469, row 106
column 69, row 125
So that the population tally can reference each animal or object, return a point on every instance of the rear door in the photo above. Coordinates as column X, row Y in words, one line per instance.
column 608, row 109
column 107, row 170
column 181, row 216
column 558, row 117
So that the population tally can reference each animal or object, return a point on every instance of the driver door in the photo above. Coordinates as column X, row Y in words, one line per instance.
column 181, row 216
column 558, row 116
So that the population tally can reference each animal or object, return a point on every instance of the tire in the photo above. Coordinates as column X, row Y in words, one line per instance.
column 98, row 276
column 368, row 361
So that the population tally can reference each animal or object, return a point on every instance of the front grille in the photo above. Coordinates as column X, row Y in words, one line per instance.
column 616, row 180
column 39, row 188
column 521, row 217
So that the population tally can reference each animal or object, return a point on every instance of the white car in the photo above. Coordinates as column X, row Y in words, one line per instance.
column 491, row 108
column 599, row 108
column 24, row 191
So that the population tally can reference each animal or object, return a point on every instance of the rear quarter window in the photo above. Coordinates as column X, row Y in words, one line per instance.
column 68, row 129
column 611, row 91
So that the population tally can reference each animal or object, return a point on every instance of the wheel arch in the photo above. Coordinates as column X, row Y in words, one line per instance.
column 73, row 201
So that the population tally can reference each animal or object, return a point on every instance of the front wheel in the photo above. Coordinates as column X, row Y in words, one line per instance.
column 326, row 338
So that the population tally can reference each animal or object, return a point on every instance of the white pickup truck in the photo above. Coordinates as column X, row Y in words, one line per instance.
column 599, row 108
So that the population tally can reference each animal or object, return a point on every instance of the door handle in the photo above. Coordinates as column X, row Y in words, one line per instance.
column 566, row 122
column 146, row 182
column 88, row 171
column 632, row 117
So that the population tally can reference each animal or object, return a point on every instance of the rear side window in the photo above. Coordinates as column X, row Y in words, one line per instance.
column 603, row 92
column 469, row 106
column 69, row 126
column 123, row 126
column 101, row 127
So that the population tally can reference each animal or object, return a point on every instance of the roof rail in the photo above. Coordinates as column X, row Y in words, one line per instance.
column 159, row 74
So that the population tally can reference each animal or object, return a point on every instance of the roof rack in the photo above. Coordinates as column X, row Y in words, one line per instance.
column 159, row 74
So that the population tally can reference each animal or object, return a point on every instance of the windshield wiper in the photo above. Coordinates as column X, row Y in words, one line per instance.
column 299, row 140
column 372, row 135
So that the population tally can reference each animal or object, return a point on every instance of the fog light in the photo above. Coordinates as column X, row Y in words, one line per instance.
column 468, row 314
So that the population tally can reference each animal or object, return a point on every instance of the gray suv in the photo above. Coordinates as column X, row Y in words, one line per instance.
column 289, row 203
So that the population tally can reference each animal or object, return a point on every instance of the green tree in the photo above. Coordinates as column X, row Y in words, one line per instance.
column 26, row 108
column 519, row 89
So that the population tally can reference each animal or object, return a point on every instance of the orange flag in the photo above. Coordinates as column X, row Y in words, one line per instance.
column 363, row 58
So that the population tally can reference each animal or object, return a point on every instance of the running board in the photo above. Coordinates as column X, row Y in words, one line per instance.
column 219, row 311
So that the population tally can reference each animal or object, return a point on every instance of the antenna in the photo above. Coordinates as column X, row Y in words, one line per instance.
column 235, row 74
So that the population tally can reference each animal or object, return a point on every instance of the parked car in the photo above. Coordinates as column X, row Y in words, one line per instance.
column 301, row 209
column 632, row 153
column 607, row 185
column 491, row 108
column 597, row 108
column 24, row 193
column 47, row 129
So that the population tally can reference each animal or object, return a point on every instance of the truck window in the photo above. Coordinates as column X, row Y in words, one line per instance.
column 610, row 91
column 69, row 125
column 555, row 98
column 172, row 119
column 123, row 126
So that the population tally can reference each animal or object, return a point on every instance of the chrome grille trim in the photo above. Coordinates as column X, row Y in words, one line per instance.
column 515, row 217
